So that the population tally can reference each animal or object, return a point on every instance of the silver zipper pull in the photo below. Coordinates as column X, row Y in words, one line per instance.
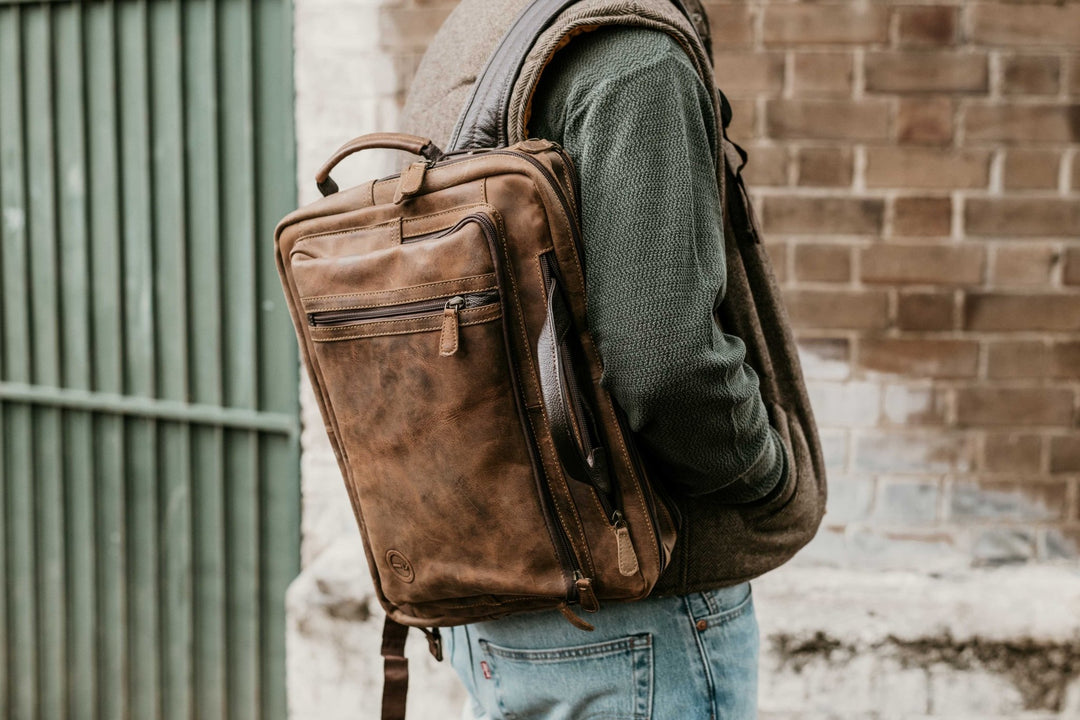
column 448, row 340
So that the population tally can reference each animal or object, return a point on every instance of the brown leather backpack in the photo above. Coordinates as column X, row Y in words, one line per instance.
column 441, row 316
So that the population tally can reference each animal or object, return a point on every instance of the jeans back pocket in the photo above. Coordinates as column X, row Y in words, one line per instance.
column 610, row 680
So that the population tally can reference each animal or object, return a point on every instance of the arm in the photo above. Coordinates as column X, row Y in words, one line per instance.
column 629, row 107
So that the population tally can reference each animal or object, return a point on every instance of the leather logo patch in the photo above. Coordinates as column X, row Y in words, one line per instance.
column 400, row 565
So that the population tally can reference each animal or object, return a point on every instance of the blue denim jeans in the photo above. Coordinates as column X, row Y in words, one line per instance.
column 675, row 658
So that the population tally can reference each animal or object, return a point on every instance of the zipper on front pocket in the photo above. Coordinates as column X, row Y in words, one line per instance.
column 403, row 311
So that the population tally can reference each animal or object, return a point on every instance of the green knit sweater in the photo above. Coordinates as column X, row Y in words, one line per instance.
column 638, row 121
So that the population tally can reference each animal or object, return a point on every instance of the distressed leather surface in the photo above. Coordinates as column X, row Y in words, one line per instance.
column 461, row 500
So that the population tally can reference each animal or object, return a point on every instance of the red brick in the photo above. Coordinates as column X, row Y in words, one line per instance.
column 905, row 405
column 826, row 23
column 743, row 118
column 839, row 309
column 1009, row 501
column 926, row 311
column 1052, row 312
column 1032, row 169
column 1020, row 359
column 987, row 406
column 922, row 216
column 732, row 25
column 825, row 358
column 930, row 25
column 823, row 73
column 828, row 119
column 906, row 72
column 1031, row 75
column 915, row 167
column 920, row 358
column 924, row 451
column 923, row 264
column 1010, row 452
column 1065, row 454
column 1072, row 267
column 1025, row 265
column 1065, row 359
column 826, row 166
column 749, row 72
column 1040, row 123
column 800, row 215
column 767, row 165
column 1021, row 217
column 823, row 263
column 925, row 121
column 1025, row 23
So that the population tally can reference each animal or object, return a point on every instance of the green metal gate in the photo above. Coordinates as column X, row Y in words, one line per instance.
column 149, row 512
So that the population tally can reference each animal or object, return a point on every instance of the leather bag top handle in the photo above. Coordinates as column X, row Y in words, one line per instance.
column 390, row 141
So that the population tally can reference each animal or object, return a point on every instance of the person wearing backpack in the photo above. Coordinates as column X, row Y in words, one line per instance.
column 625, row 99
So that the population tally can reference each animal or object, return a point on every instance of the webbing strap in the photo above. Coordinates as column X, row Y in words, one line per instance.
column 395, row 670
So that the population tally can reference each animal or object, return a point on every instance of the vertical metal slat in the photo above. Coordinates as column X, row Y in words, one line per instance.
column 78, row 448
column 234, row 41
column 169, row 239
column 280, row 501
column 140, row 349
column 106, row 301
column 45, row 314
column 21, row 585
column 205, row 327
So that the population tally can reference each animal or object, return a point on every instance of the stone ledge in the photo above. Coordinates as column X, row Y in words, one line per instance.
column 1001, row 643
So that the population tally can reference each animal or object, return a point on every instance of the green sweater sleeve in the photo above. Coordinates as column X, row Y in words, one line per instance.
column 636, row 118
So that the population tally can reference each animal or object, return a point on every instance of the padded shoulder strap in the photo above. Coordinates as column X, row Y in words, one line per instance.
column 483, row 121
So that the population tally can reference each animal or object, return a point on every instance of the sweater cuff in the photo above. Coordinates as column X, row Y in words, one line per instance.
column 768, row 473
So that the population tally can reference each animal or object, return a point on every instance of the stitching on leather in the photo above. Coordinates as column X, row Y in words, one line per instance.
column 638, row 489
column 460, row 209
column 585, row 556
column 415, row 320
column 412, row 331
column 539, row 269
column 517, row 305
column 392, row 302
column 541, row 437
column 532, row 371
column 558, row 511
column 346, row 231
column 401, row 290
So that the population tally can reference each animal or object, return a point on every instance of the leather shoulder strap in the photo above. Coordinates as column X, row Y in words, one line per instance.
column 483, row 121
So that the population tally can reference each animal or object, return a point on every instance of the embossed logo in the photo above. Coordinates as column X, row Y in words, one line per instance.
column 400, row 565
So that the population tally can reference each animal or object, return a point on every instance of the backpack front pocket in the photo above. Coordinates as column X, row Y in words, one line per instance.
column 428, row 412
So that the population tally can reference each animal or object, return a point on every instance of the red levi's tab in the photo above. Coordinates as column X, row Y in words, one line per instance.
column 485, row 669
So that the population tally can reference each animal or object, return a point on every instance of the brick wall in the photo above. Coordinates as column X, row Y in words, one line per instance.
column 916, row 168
column 917, row 173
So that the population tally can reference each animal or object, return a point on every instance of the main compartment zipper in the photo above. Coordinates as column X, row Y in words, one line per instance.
column 579, row 587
